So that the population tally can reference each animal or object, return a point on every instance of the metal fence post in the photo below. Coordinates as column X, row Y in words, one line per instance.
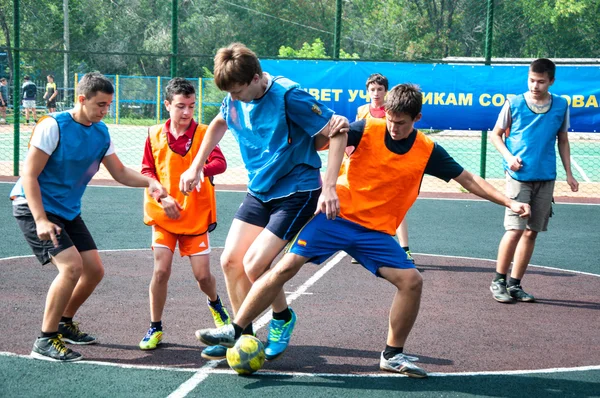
column 174, row 19
column 16, row 89
column 117, row 99
column 338, row 29
column 158, row 109
column 200, row 93
column 488, row 61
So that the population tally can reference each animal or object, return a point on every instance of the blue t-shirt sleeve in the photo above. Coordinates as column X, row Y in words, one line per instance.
column 306, row 112
column 442, row 165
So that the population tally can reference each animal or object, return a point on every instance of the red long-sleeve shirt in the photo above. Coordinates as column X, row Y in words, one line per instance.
column 215, row 164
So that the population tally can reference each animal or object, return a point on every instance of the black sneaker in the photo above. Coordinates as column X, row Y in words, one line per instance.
column 53, row 349
column 517, row 292
column 71, row 334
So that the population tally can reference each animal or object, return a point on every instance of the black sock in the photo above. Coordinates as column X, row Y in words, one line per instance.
column 156, row 325
column 499, row 277
column 405, row 248
column 64, row 319
column 390, row 351
column 214, row 303
column 238, row 330
column 248, row 330
column 49, row 335
column 285, row 315
column 513, row 282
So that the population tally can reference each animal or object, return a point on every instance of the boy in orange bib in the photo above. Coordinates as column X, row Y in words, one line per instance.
column 180, row 219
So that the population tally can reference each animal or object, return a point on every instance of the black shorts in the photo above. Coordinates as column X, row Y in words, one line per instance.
column 284, row 217
column 74, row 233
column 51, row 104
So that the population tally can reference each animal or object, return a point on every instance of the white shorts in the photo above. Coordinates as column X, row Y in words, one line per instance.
column 28, row 104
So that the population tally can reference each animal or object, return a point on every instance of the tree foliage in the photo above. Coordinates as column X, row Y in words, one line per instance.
column 105, row 34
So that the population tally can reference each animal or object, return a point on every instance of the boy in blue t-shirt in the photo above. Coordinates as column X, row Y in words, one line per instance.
column 65, row 152
column 275, row 124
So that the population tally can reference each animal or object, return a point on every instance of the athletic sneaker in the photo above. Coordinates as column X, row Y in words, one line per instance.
column 410, row 257
column 400, row 363
column 53, row 349
column 498, row 289
column 71, row 334
column 517, row 292
column 214, row 352
column 152, row 338
column 279, row 336
column 219, row 313
column 224, row 336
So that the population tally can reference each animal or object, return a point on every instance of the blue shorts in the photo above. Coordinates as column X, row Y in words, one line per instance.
column 322, row 238
column 284, row 216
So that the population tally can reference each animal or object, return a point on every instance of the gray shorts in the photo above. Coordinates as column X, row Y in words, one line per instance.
column 538, row 194
column 29, row 104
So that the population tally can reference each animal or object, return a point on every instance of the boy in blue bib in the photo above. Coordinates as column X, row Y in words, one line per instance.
column 65, row 152
column 530, row 124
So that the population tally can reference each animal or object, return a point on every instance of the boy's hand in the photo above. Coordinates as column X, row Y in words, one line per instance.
column 47, row 230
column 157, row 191
column 573, row 183
column 171, row 207
column 522, row 209
column 328, row 203
column 190, row 180
column 514, row 163
column 338, row 124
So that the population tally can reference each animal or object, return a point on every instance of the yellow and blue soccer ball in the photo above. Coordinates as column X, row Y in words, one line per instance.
column 247, row 355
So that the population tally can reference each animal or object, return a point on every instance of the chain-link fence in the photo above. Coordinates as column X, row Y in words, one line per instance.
column 136, row 41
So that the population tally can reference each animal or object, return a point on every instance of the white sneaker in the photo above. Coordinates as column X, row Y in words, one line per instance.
column 2, row 121
column 400, row 363
column 224, row 336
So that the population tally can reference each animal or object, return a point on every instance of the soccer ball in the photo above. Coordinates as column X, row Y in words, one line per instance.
column 247, row 355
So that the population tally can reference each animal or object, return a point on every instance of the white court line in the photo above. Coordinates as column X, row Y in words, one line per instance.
column 580, row 170
column 493, row 260
column 206, row 371
column 192, row 383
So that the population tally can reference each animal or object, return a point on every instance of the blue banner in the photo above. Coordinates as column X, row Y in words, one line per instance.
column 455, row 97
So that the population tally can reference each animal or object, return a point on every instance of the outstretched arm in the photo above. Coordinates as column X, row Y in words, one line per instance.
column 131, row 178
column 192, row 177
column 483, row 189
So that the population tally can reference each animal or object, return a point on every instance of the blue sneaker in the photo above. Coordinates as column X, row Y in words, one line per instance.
column 279, row 337
column 214, row 352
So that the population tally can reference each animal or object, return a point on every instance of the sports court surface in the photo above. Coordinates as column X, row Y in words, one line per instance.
column 470, row 345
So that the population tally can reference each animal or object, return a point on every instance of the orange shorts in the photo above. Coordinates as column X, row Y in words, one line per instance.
column 189, row 245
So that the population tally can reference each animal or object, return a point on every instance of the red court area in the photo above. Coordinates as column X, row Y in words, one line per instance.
column 342, row 317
